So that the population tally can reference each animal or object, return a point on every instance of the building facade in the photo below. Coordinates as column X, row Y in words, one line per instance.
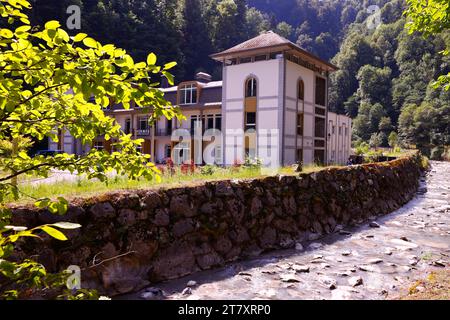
column 271, row 104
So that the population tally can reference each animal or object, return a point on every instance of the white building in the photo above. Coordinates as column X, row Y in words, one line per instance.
column 271, row 104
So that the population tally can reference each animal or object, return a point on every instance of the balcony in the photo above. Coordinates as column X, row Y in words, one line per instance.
column 143, row 132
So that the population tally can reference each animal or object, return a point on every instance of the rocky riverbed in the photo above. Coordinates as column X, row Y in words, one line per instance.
column 376, row 260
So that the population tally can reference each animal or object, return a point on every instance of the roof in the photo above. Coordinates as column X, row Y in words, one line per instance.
column 268, row 40
column 212, row 84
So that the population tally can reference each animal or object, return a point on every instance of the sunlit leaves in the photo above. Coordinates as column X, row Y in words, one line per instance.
column 54, row 233
column 6, row 33
column 51, row 82
column 79, row 37
column 89, row 42
column 151, row 59
column 52, row 25
column 169, row 65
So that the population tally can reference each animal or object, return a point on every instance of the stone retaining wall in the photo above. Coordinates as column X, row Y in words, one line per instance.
column 131, row 239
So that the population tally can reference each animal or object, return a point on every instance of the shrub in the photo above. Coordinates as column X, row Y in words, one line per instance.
column 208, row 170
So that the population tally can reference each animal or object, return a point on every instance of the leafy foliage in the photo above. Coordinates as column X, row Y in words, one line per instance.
column 51, row 82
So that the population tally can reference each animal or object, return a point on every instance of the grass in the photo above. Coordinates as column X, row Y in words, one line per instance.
column 83, row 187
column 436, row 286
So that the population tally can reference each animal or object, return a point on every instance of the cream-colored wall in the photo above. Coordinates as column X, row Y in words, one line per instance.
column 339, row 145
column 267, row 74
column 294, row 73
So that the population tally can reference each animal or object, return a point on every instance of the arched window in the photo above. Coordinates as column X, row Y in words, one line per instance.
column 301, row 90
column 250, row 88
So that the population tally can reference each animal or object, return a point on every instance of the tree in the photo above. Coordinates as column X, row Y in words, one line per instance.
column 196, row 43
column 393, row 139
column 374, row 84
column 430, row 17
column 47, row 82
column 284, row 29
column 376, row 140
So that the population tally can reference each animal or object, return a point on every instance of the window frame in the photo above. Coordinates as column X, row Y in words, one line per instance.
column 99, row 145
column 191, row 91
column 301, row 90
column 318, row 99
column 252, row 91
column 248, row 125
column 302, row 124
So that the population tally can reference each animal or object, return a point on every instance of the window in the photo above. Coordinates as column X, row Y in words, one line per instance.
column 300, row 119
column 168, row 151
column 319, row 143
column 346, row 131
column 98, row 145
column 250, row 120
column 169, row 126
column 320, row 111
column 128, row 126
column 301, row 90
column 340, row 131
column 320, row 91
column 333, row 130
column 250, row 88
column 195, row 123
column 210, row 121
column 319, row 129
column 274, row 55
column 188, row 94
column 218, row 121
column 245, row 60
column 261, row 58
column 143, row 123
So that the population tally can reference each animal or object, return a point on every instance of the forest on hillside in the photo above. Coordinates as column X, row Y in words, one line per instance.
column 386, row 75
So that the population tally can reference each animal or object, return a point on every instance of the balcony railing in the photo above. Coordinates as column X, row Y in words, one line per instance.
column 143, row 132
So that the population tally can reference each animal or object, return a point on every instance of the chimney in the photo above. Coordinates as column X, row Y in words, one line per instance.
column 203, row 77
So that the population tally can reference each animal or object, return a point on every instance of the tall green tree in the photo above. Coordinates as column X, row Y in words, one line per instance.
column 430, row 17
column 196, row 44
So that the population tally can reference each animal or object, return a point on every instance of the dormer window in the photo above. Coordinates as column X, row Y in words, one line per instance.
column 250, row 88
column 188, row 94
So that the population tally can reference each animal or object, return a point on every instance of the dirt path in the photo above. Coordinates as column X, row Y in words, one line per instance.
column 371, row 261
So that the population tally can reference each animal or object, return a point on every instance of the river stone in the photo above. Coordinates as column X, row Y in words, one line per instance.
column 355, row 281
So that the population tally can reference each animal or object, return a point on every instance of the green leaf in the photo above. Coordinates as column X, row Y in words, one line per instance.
column 52, row 25
column 169, row 65
column 169, row 77
column 151, row 59
column 42, row 203
column 6, row 33
column 53, row 233
column 79, row 37
column 22, row 29
column 23, row 155
column 89, row 42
